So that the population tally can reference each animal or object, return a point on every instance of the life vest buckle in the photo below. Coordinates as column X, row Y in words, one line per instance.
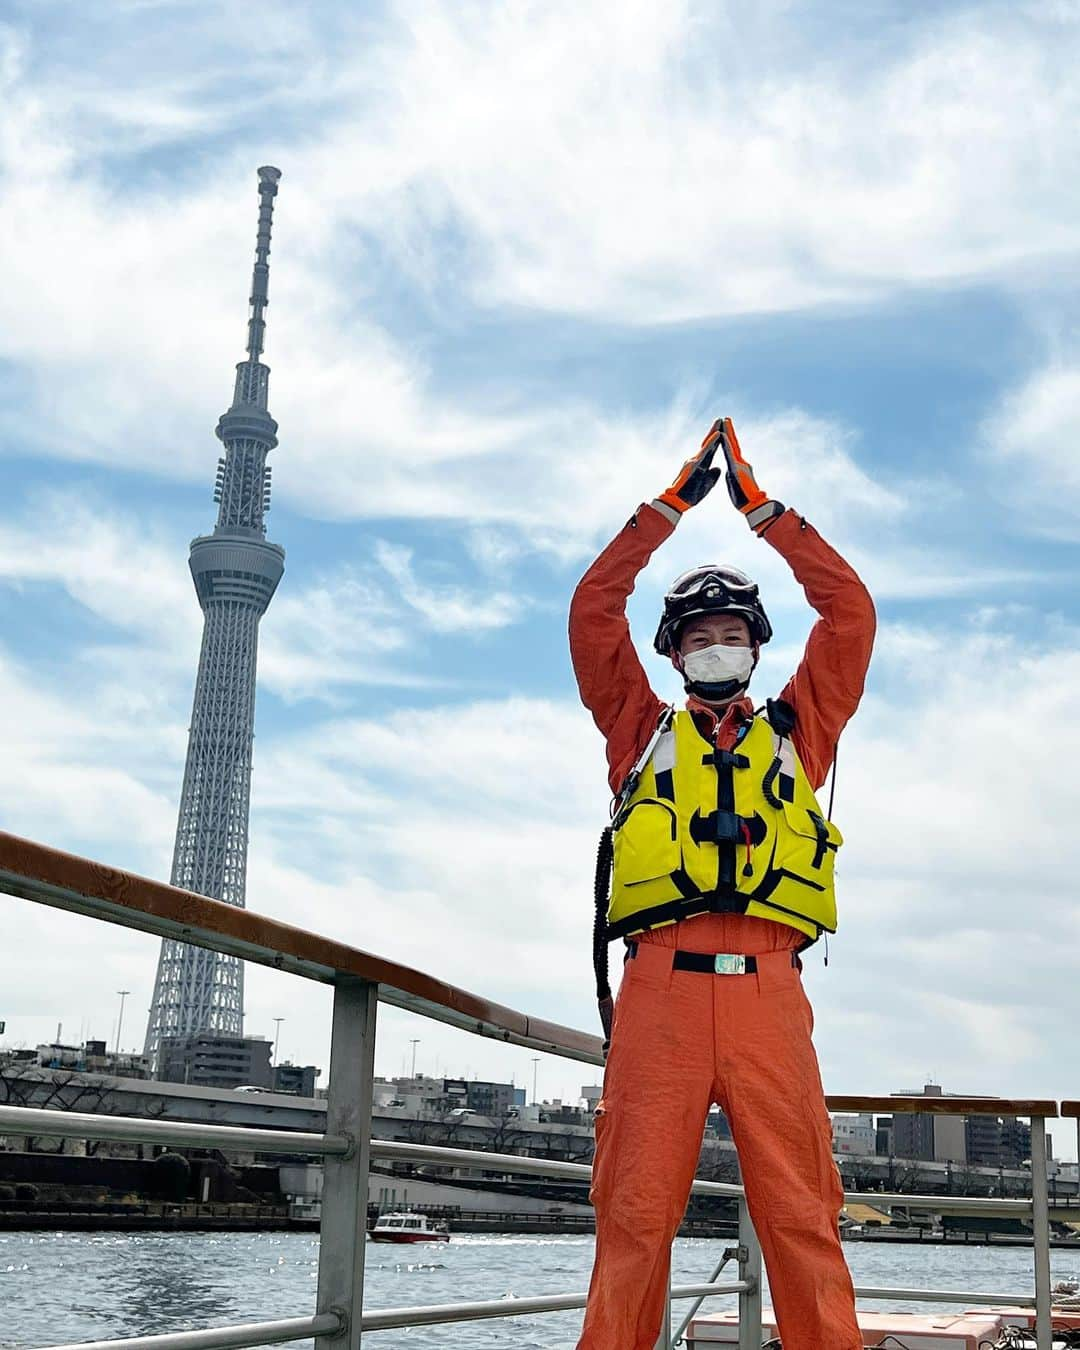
column 726, row 759
column 719, row 827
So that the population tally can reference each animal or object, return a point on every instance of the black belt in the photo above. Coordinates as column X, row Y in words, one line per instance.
column 705, row 964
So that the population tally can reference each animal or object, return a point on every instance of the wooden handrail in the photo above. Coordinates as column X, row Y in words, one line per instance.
column 65, row 881
column 1071, row 1110
column 946, row 1106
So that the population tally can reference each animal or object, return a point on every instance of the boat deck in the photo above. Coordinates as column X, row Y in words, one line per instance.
column 973, row 1330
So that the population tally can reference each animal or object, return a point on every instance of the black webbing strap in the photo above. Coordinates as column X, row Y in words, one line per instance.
column 725, row 814
column 704, row 963
column 822, row 833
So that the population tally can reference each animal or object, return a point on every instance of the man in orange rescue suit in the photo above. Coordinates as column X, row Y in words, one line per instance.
column 723, row 865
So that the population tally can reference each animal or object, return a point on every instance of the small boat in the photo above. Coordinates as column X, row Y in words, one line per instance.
column 408, row 1228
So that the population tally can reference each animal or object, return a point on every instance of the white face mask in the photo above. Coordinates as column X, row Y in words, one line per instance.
column 718, row 664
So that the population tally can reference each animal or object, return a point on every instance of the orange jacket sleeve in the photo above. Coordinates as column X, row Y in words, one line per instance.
column 827, row 687
column 611, row 680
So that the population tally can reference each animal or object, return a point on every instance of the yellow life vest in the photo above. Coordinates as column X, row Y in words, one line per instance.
column 727, row 831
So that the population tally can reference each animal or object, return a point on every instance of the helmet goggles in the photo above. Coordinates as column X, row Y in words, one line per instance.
column 711, row 590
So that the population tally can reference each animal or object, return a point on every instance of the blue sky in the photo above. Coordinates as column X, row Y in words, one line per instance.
column 523, row 255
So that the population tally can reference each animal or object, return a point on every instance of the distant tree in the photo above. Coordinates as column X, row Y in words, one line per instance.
column 906, row 1176
column 171, row 1177
column 966, row 1180
column 717, row 1164
column 53, row 1090
column 507, row 1134
column 858, row 1173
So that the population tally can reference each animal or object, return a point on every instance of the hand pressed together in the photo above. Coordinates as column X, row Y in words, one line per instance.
column 698, row 477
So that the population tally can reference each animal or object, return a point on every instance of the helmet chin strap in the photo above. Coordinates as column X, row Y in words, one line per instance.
column 717, row 695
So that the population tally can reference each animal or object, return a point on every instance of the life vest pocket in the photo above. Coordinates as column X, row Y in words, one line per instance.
column 806, row 845
column 647, row 843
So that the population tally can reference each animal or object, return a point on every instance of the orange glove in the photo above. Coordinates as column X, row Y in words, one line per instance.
column 696, row 478
column 759, row 510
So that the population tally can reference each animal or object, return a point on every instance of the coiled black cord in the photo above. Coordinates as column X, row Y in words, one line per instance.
column 605, row 858
column 767, row 782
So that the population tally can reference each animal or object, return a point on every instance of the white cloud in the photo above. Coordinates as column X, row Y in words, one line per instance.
column 446, row 608
column 982, row 1029
column 1031, row 439
column 83, row 772
column 126, row 573
column 638, row 185
column 338, row 631
column 655, row 163
column 351, row 626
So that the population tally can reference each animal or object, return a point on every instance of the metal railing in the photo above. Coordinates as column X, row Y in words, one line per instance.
column 360, row 981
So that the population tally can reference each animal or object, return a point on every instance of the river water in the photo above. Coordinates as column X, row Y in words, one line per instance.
column 62, row 1287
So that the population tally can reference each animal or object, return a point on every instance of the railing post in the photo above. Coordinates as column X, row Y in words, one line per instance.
column 664, row 1339
column 343, row 1231
column 750, row 1271
column 1040, row 1226
column 730, row 1253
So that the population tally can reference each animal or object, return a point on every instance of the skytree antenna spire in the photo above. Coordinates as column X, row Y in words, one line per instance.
column 236, row 571
column 260, row 278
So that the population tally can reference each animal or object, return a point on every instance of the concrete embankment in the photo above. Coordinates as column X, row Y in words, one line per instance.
column 150, row 1217
column 191, row 1218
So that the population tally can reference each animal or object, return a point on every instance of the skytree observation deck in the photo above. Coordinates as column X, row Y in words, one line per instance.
column 236, row 571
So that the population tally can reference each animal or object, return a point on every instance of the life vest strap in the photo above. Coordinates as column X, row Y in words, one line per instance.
column 822, row 832
column 685, row 907
column 726, row 759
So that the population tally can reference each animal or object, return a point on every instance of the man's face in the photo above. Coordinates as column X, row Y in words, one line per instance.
column 712, row 630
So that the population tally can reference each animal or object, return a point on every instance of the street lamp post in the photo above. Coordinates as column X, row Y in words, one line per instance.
column 277, row 1032
column 414, row 1043
column 120, row 1020
column 536, row 1062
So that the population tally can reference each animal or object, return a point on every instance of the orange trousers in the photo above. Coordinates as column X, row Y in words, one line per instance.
column 681, row 1041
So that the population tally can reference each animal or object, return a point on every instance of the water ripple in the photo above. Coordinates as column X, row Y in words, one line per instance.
column 76, row 1287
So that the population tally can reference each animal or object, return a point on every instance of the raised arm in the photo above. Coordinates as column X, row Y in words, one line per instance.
column 828, row 684
column 611, row 680
column 826, row 688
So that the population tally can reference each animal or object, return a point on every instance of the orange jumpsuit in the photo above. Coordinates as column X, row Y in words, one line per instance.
column 682, row 1040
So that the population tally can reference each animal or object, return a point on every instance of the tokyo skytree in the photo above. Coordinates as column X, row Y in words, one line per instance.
column 236, row 572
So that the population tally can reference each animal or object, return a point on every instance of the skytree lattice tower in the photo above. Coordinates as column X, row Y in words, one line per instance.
column 236, row 572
